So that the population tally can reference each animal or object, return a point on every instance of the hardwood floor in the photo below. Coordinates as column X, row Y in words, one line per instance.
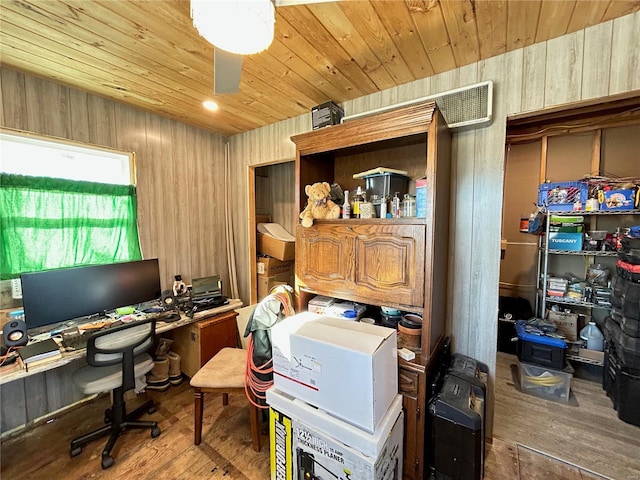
column 534, row 439
column 585, row 431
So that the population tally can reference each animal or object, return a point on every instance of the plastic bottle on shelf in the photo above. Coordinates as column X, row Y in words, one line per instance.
column 346, row 207
column 395, row 205
column 592, row 335
column 358, row 199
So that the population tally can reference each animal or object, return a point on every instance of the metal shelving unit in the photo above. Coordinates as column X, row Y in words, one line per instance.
column 543, row 259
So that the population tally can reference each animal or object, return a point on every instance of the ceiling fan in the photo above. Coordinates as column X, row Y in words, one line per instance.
column 236, row 28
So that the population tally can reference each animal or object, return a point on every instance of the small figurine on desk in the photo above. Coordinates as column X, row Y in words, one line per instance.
column 179, row 287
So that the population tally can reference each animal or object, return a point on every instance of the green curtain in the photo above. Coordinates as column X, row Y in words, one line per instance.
column 51, row 223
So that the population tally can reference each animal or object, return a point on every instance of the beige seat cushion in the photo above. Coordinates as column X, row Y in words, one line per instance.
column 225, row 370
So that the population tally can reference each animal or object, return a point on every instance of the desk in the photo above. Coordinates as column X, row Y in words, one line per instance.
column 27, row 396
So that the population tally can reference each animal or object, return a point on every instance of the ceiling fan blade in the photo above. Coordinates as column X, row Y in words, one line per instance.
column 227, row 68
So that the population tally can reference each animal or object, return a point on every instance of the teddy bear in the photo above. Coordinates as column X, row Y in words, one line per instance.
column 319, row 204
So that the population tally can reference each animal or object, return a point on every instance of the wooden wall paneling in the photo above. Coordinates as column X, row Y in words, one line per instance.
column 14, row 100
column 625, row 67
column 563, row 81
column 461, row 216
column 79, row 116
column 2, row 120
column 534, row 73
column 597, row 58
column 215, row 164
column 202, row 211
column 102, row 121
column 13, row 405
column 47, row 107
column 487, row 198
column 151, row 173
column 179, row 238
column 282, row 195
column 263, row 192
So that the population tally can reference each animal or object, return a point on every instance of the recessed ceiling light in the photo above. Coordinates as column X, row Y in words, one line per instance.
column 210, row 105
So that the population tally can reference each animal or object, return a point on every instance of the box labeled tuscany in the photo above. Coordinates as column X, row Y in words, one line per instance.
column 308, row 443
column 310, row 353
column 565, row 241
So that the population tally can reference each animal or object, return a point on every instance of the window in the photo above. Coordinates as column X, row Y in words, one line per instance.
column 64, row 204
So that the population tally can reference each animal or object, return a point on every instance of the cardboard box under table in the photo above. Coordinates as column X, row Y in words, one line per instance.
column 308, row 443
column 349, row 369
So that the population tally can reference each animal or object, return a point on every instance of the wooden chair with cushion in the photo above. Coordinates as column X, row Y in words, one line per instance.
column 225, row 374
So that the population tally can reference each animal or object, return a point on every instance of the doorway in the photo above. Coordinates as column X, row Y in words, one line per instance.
column 271, row 200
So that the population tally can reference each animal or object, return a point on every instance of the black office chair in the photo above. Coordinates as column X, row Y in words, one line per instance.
column 116, row 357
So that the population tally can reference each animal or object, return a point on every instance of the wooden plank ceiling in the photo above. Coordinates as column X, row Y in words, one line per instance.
column 147, row 53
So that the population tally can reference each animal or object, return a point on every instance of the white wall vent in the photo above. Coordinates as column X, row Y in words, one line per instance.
column 462, row 108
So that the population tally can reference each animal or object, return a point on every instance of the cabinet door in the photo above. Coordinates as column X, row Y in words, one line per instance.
column 363, row 262
column 216, row 333
column 412, row 386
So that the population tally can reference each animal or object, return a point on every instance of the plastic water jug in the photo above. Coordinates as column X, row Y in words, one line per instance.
column 592, row 335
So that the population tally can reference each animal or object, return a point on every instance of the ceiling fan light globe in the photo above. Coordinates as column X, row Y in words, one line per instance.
column 242, row 26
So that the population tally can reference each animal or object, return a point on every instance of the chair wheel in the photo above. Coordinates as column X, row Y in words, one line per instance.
column 75, row 451
column 152, row 409
column 107, row 461
column 155, row 432
column 107, row 415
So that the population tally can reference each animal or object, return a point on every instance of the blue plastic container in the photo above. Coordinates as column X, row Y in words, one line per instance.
column 540, row 349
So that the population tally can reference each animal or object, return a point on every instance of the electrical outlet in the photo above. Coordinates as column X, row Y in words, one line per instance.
column 16, row 288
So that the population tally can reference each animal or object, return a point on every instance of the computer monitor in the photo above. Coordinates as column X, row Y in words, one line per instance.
column 54, row 296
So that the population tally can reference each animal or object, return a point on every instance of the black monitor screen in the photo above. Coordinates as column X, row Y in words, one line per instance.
column 53, row 296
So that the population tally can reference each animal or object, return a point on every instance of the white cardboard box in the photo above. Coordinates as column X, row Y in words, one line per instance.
column 349, row 369
column 308, row 441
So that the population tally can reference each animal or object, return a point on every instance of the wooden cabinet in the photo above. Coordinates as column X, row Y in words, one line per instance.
column 364, row 261
column 198, row 342
column 385, row 262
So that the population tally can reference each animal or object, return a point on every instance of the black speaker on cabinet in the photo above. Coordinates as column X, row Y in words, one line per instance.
column 15, row 334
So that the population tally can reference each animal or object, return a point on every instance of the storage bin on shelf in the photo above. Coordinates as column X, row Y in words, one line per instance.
column 546, row 382
column 561, row 196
